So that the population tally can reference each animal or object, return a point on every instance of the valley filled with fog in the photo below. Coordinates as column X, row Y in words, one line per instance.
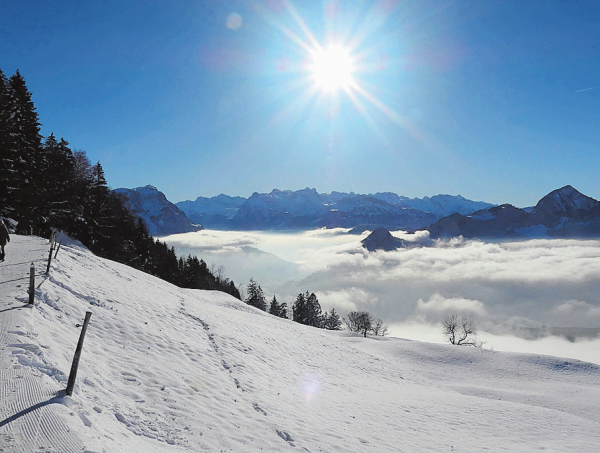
column 538, row 296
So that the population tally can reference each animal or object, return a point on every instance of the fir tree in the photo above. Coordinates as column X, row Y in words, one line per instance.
column 307, row 310
column 314, row 310
column 6, row 154
column 299, row 309
column 255, row 296
column 24, row 162
column 97, row 209
column 332, row 321
column 277, row 309
column 57, row 193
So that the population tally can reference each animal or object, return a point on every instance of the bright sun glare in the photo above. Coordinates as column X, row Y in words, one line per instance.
column 332, row 68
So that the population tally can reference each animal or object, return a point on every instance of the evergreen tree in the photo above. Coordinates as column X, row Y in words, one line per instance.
column 255, row 296
column 299, row 309
column 6, row 154
column 24, row 160
column 143, row 243
column 307, row 310
column 332, row 321
column 314, row 311
column 81, row 183
column 277, row 309
column 97, row 210
column 57, row 192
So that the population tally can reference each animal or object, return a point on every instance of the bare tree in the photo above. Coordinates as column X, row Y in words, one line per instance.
column 364, row 323
column 460, row 331
column 379, row 328
column 359, row 321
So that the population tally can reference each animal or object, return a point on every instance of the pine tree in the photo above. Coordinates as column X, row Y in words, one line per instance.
column 277, row 309
column 57, row 193
column 143, row 243
column 256, row 297
column 6, row 154
column 299, row 309
column 314, row 311
column 24, row 157
column 307, row 310
column 332, row 321
column 97, row 215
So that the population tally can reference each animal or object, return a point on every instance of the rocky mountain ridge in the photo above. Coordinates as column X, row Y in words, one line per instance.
column 306, row 208
column 161, row 216
column 563, row 213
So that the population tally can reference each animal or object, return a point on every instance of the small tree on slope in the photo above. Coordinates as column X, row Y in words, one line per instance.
column 256, row 297
column 460, row 331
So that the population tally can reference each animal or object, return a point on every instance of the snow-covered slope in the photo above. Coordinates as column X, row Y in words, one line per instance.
column 161, row 216
column 165, row 369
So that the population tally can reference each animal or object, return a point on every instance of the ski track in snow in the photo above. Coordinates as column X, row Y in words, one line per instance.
column 165, row 369
column 33, row 415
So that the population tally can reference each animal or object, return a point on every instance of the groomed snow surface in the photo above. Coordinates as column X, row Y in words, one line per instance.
column 165, row 369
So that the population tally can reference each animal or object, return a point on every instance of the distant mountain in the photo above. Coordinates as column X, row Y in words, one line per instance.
column 381, row 239
column 215, row 212
column 564, row 213
column 440, row 205
column 161, row 216
column 302, row 209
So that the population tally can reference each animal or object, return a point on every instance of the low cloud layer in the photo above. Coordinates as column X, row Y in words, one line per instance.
column 512, row 289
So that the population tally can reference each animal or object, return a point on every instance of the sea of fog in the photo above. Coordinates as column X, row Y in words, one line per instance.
column 538, row 296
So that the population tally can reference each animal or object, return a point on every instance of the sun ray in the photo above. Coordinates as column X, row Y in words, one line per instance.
column 337, row 66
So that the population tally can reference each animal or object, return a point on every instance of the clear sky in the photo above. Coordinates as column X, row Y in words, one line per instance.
column 494, row 100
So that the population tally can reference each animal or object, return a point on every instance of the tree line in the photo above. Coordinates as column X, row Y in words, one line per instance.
column 307, row 310
column 47, row 186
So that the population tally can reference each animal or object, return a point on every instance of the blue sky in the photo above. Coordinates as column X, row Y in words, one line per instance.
column 494, row 100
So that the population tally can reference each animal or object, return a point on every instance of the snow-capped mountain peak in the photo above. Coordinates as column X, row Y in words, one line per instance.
column 161, row 216
column 564, row 201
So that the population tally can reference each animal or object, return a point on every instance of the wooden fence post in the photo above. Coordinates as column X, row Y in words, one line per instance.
column 31, row 283
column 57, row 249
column 77, row 355
column 49, row 259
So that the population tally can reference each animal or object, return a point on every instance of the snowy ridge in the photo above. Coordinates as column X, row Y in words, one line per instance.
column 563, row 213
column 166, row 369
column 306, row 208
column 161, row 216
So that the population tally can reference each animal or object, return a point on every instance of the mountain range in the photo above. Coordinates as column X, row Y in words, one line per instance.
column 307, row 209
column 563, row 213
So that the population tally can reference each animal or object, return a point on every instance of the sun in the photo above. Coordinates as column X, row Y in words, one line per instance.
column 332, row 68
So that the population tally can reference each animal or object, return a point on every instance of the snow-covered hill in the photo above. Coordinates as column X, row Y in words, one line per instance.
column 161, row 216
column 166, row 369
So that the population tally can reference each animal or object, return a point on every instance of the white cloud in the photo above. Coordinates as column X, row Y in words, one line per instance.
column 346, row 300
column 440, row 306
column 578, row 313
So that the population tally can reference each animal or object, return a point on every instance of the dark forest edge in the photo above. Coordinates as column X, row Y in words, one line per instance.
column 46, row 186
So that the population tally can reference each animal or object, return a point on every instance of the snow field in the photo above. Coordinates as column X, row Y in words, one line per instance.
column 167, row 369
column 31, row 418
